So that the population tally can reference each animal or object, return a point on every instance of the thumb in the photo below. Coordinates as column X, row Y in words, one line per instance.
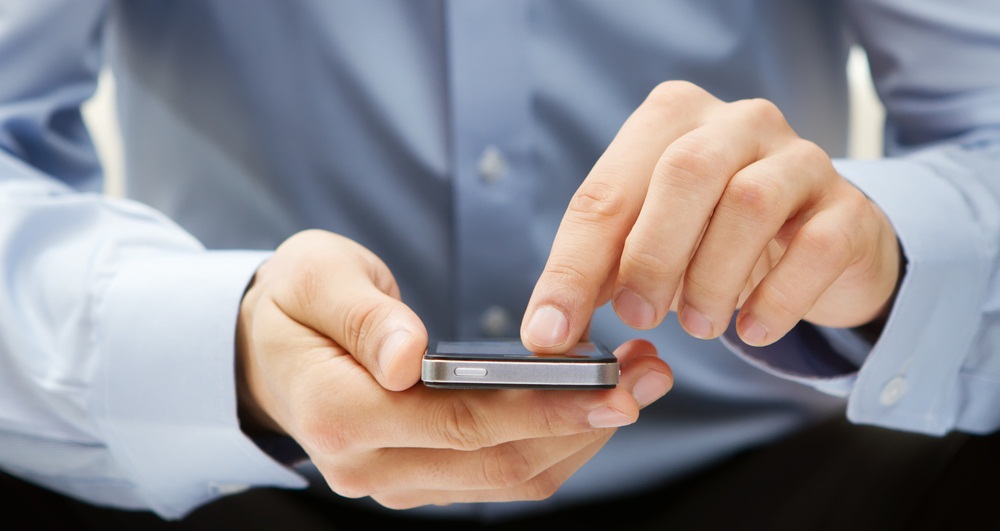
column 383, row 334
column 344, row 292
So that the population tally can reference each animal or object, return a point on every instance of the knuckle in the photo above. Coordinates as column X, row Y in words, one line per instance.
column 669, row 93
column 377, row 270
column 672, row 100
column 322, row 435
column 306, row 285
column 705, row 291
column 541, row 487
column 363, row 319
column 567, row 271
column 665, row 102
column 350, row 483
column 645, row 259
column 761, row 111
column 688, row 161
column 396, row 501
column 598, row 201
column 827, row 243
column 813, row 156
column 506, row 466
column 460, row 427
column 779, row 301
column 753, row 200
column 553, row 420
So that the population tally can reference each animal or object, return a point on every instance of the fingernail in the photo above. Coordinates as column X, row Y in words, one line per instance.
column 605, row 417
column 650, row 387
column 390, row 348
column 695, row 323
column 634, row 310
column 753, row 332
column 548, row 327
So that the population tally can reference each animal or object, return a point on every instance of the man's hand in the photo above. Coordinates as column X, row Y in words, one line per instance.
column 702, row 207
column 328, row 354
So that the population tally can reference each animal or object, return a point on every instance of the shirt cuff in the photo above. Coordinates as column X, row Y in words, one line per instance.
column 166, row 394
column 912, row 375
column 910, row 378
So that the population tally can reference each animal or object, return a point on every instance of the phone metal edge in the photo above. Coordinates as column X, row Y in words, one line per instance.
column 441, row 372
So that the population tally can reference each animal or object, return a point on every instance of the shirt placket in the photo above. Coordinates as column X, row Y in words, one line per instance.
column 489, row 106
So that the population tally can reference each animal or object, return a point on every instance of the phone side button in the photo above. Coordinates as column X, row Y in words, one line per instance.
column 470, row 371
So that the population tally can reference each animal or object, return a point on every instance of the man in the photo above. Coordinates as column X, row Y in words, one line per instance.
column 467, row 162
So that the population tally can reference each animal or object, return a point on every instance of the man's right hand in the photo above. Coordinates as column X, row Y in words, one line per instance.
column 328, row 354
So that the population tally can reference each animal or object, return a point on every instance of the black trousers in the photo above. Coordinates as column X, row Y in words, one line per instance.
column 832, row 476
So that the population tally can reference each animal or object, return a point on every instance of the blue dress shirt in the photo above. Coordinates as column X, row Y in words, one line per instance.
column 448, row 137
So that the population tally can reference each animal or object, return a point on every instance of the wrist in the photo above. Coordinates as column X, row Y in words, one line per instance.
column 254, row 420
column 872, row 330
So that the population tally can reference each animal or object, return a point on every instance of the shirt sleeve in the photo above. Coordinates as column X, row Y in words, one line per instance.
column 936, row 366
column 116, row 326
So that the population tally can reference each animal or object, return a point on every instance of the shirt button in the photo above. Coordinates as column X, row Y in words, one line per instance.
column 495, row 322
column 893, row 391
column 492, row 165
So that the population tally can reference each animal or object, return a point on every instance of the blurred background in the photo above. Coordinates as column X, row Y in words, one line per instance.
column 867, row 117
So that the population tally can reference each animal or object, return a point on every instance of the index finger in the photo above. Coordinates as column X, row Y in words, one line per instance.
column 422, row 417
column 592, row 233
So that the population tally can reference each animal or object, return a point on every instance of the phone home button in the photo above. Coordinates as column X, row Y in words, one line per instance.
column 470, row 371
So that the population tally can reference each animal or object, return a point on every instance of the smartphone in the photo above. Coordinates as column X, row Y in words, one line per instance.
column 507, row 364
